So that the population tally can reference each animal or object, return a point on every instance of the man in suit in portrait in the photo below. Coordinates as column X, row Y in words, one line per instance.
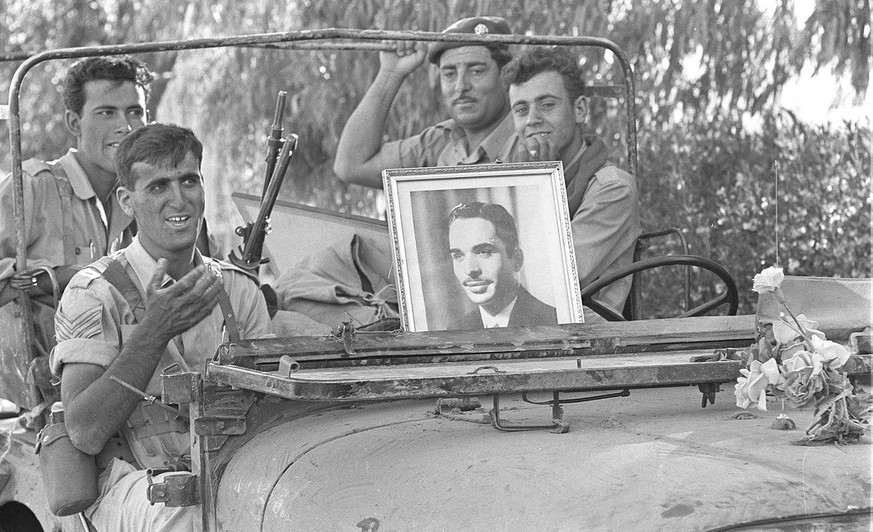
column 483, row 243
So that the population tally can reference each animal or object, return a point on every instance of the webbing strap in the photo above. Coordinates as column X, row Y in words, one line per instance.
column 152, row 428
column 118, row 278
column 66, row 191
column 230, row 322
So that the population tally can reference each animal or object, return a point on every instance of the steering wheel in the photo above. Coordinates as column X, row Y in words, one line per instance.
column 729, row 295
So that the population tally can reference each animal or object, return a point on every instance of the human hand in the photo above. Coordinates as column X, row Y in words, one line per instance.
column 405, row 57
column 44, row 284
column 539, row 148
column 175, row 309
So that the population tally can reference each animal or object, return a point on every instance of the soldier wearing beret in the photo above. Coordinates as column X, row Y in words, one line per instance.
column 479, row 131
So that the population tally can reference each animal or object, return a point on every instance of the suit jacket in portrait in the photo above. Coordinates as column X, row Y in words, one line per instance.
column 528, row 311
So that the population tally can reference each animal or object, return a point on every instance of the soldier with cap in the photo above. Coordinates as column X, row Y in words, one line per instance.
column 479, row 131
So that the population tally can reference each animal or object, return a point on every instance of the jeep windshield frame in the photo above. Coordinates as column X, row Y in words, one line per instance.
column 331, row 38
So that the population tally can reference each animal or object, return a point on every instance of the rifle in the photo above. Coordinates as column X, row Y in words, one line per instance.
column 274, row 140
column 253, row 233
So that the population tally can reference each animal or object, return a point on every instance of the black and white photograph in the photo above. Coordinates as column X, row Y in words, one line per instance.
column 482, row 247
column 454, row 265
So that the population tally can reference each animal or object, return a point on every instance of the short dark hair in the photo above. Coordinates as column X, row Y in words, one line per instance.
column 154, row 144
column 495, row 213
column 539, row 59
column 501, row 56
column 116, row 68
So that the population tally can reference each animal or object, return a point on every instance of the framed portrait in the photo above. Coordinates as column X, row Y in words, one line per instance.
column 482, row 246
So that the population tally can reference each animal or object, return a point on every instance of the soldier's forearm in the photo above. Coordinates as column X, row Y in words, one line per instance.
column 88, row 391
column 361, row 140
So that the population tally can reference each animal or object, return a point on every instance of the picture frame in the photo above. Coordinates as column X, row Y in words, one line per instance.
column 441, row 282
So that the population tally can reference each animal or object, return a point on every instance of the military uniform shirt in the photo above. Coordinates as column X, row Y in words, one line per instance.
column 44, row 227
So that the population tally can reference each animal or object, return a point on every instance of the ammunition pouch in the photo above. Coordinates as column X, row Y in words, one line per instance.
column 157, row 437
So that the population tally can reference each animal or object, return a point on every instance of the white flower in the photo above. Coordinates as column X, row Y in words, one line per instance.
column 803, row 360
column 751, row 387
column 768, row 280
column 832, row 353
column 786, row 331
column 770, row 370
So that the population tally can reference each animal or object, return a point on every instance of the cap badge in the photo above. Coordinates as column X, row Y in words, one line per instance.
column 480, row 29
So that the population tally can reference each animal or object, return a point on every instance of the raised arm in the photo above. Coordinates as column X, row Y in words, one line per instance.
column 360, row 158
column 95, row 406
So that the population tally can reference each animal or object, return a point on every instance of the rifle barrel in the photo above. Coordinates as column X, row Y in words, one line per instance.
column 270, row 195
column 274, row 140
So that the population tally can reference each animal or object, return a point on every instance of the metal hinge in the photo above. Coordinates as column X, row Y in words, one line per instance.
column 179, row 387
column 220, row 426
column 176, row 489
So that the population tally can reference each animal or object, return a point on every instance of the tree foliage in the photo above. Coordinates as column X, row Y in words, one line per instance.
column 802, row 191
column 702, row 69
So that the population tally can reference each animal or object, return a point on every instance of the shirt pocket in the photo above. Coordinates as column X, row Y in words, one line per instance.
column 84, row 253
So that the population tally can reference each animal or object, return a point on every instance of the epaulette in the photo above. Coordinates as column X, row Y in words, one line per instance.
column 84, row 277
column 88, row 274
column 35, row 166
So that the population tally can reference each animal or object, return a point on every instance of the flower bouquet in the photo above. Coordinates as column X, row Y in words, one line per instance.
column 795, row 361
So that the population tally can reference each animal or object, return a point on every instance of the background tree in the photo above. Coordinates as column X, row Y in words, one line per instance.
column 709, row 75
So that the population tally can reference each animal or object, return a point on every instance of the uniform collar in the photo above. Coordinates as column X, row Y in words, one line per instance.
column 144, row 265
column 76, row 175
column 490, row 149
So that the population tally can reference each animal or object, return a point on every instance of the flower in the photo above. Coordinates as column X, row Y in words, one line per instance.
column 801, row 387
column 786, row 333
column 793, row 359
column 768, row 280
column 802, row 378
column 752, row 386
column 832, row 353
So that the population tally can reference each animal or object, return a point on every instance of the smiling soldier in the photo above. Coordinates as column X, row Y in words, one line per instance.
column 479, row 130
column 483, row 244
column 127, row 316
column 548, row 109
column 71, row 216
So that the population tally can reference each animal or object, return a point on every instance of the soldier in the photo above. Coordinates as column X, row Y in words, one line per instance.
column 474, row 96
column 155, row 303
column 548, row 108
column 71, row 214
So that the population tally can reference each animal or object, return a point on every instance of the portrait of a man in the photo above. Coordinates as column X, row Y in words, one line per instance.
column 482, row 246
column 487, row 259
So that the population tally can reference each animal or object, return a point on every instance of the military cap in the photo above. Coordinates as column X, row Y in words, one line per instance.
column 476, row 26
